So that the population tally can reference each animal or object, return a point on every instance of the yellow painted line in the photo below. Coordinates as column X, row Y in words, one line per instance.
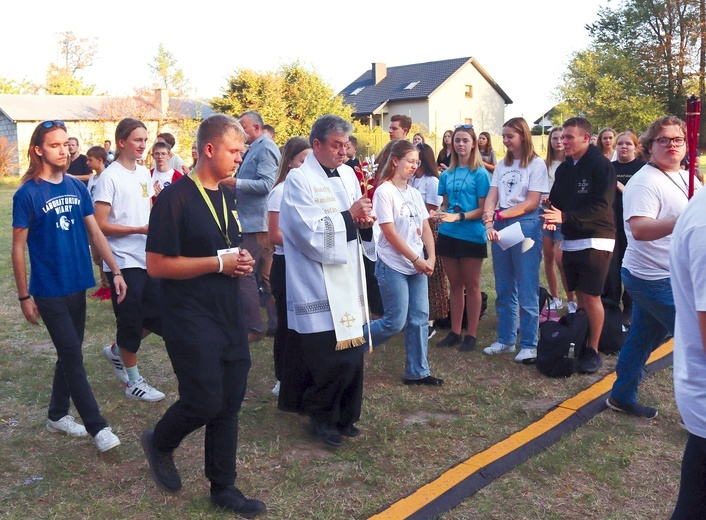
column 447, row 480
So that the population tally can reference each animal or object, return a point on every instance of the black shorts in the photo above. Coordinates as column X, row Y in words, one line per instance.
column 586, row 270
column 449, row 247
column 141, row 308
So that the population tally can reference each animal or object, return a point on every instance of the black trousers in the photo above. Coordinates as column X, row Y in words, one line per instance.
column 212, row 375
column 65, row 319
column 691, row 504
column 278, row 281
column 320, row 381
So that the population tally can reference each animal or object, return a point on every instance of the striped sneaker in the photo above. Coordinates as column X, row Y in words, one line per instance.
column 117, row 363
column 142, row 391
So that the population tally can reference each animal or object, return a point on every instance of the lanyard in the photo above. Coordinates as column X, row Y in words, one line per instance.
column 685, row 192
column 213, row 210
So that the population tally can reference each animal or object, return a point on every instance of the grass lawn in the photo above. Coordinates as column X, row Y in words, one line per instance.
column 613, row 467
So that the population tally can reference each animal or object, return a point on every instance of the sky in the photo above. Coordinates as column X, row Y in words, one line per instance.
column 524, row 45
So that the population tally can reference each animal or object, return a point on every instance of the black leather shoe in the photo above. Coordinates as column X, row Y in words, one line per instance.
column 349, row 431
column 330, row 436
column 429, row 381
column 231, row 499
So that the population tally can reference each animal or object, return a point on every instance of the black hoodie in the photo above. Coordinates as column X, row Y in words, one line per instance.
column 584, row 192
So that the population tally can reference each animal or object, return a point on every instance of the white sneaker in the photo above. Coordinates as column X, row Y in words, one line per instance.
column 525, row 353
column 142, row 391
column 106, row 440
column 572, row 306
column 556, row 304
column 275, row 390
column 117, row 363
column 498, row 348
column 68, row 426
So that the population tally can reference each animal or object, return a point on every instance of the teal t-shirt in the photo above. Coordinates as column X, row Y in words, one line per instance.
column 463, row 188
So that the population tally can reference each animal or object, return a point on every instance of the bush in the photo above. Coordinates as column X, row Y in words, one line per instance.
column 8, row 158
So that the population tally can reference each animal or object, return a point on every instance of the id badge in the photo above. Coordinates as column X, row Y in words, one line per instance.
column 229, row 251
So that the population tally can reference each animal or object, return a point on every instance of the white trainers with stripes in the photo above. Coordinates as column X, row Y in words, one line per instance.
column 117, row 363
column 143, row 392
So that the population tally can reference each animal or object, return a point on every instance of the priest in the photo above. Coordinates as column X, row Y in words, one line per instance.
column 326, row 227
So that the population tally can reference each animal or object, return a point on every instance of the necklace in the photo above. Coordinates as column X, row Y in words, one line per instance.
column 684, row 191
column 409, row 204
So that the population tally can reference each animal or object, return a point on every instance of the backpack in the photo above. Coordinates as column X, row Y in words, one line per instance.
column 546, row 313
column 554, row 358
column 613, row 334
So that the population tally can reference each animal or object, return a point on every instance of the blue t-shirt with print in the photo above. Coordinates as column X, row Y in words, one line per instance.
column 59, row 258
column 463, row 188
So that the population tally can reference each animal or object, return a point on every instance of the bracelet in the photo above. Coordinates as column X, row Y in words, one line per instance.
column 461, row 216
column 414, row 261
column 498, row 216
column 117, row 274
column 220, row 264
column 25, row 298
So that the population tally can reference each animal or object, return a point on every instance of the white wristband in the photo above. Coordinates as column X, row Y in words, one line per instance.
column 220, row 264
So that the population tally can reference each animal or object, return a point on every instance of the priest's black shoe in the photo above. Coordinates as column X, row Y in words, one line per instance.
column 349, row 431
column 327, row 434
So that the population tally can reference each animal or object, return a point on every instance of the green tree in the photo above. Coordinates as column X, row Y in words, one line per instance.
column 76, row 54
column 290, row 99
column 167, row 74
column 639, row 65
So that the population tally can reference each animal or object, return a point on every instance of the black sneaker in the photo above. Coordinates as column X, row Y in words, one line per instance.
column 429, row 381
column 328, row 435
column 162, row 466
column 232, row 499
column 432, row 332
column 635, row 409
column 451, row 340
column 469, row 344
column 349, row 431
column 589, row 362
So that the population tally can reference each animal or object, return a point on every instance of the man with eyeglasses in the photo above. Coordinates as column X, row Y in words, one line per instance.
column 162, row 174
column 321, row 213
column 582, row 202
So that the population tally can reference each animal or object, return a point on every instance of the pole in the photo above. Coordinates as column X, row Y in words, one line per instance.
column 693, row 122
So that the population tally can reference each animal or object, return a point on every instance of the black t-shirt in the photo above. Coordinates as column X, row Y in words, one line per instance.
column 624, row 172
column 79, row 166
column 181, row 224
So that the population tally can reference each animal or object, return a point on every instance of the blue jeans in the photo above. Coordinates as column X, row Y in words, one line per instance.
column 405, row 298
column 652, row 320
column 517, row 282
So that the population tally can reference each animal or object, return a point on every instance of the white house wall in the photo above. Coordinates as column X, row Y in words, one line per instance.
column 449, row 106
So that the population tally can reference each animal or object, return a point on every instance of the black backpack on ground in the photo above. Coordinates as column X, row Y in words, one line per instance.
column 612, row 336
column 554, row 358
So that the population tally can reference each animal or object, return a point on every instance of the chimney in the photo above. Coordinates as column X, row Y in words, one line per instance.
column 379, row 72
column 161, row 96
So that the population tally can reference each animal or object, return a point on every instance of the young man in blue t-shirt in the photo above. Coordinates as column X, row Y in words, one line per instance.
column 52, row 214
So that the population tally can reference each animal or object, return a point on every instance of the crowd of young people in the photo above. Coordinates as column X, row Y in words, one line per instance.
column 597, row 221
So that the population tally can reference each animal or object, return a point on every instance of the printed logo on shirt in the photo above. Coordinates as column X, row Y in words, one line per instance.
column 583, row 186
column 144, row 189
column 511, row 179
column 65, row 223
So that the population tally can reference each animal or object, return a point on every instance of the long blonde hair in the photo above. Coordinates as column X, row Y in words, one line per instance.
column 519, row 125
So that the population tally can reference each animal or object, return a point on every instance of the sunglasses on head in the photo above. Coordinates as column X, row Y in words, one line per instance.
column 50, row 124
column 463, row 127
